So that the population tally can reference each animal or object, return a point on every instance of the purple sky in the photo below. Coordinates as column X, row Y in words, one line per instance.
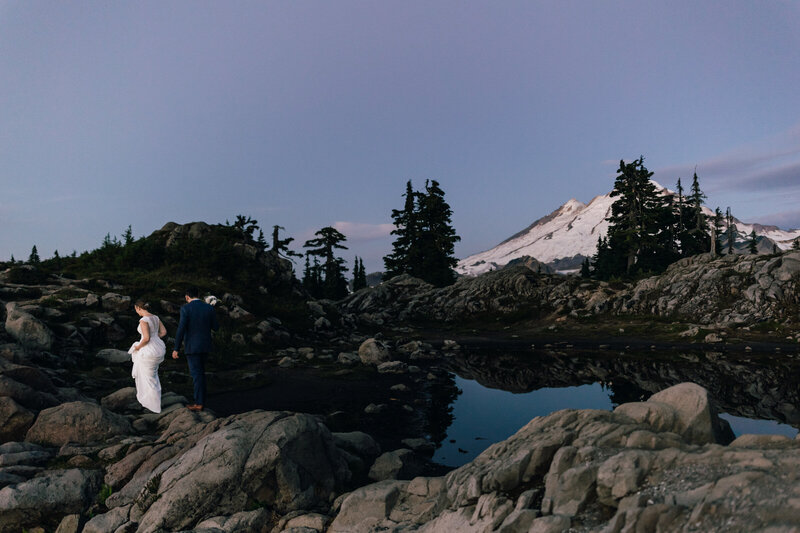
column 307, row 114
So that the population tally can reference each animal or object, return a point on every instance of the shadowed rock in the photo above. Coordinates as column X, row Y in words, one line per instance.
column 79, row 422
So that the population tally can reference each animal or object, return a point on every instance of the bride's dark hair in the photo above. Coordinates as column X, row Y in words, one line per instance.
column 142, row 305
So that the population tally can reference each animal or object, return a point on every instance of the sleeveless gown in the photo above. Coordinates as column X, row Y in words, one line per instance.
column 145, row 365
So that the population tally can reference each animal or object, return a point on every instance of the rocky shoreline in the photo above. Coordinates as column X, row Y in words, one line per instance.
column 77, row 454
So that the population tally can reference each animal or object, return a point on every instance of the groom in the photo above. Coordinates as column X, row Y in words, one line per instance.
column 197, row 320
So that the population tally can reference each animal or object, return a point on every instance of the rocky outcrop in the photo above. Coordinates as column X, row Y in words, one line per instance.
column 26, row 329
column 79, row 422
column 731, row 289
column 282, row 460
column 601, row 471
column 54, row 493
column 726, row 290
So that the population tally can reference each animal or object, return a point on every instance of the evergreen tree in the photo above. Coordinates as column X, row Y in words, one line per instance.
column 437, row 237
column 752, row 243
column 261, row 241
column 405, row 255
column 681, row 209
column 585, row 271
column 359, row 275
column 695, row 239
column 33, row 259
column 636, row 233
column 281, row 246
column 246, row 226
column 127, row 237
column 795, row 246
column 12, row 261
column 730, row 233
column 425, row 239
column 327, row 240
column 719, row 224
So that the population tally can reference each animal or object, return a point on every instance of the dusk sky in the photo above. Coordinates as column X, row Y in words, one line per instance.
column 308, row 114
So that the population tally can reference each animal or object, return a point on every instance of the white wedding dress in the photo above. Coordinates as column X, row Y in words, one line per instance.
column 145, row 365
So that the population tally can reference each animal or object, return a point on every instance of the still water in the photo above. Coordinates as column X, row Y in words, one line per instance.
column 483, row 416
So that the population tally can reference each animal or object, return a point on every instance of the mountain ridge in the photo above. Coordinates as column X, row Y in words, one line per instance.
column 563, row 238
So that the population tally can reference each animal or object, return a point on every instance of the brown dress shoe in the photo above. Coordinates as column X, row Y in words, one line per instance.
column 194, row 407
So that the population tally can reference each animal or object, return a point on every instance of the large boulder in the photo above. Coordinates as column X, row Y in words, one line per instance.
column 697, row 418
column 15, row 420
column 373, row 352
column 47, row 498
column 284, row 461
column 397, row 464
column 28, row 330
column 116, row 302
column 112, row 355
column 79, row 422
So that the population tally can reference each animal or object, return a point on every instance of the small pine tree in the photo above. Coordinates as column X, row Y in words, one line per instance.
column 752, row 244
column 327, row 240
column 12, row 261
column 359, row 275
column 261, row 241
column 127, row 237
column 34, row 257
column 585, row 271
column 795, row 245
column 719, row 224
column 731, row 230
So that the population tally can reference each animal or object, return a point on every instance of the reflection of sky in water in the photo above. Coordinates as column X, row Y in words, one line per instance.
column 483, row 416
column 740, row 426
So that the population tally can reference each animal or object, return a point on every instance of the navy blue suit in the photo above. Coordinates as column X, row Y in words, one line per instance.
column 194, row 329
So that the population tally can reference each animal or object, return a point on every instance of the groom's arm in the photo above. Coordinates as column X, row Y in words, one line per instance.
column 180, row 333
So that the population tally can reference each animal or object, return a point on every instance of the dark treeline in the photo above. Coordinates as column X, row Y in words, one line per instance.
column 649, row 230
column 424, row 237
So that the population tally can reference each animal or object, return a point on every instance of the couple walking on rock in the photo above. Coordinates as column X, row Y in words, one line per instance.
column 194, row 329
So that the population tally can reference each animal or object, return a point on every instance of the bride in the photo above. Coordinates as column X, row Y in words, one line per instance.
column 146, row 355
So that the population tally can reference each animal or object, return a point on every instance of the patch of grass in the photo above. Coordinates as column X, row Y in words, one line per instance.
column 105, row 492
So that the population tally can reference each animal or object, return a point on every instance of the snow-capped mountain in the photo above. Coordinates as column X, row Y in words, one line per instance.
column 569, row 234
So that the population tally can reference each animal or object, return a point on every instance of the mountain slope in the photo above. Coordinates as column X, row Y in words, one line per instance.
column 569, row 234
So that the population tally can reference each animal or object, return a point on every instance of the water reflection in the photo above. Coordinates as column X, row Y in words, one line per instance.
column 502, row 391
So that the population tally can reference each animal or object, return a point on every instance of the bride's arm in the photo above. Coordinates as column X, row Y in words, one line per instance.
column 145, row 334
column 162, row 331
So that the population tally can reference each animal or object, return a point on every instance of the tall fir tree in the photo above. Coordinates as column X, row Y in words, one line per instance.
column 425, row 238
column 730, row 231
column 681, row 210
column 638, row 239
column 34, row 259
column 405, row 255
column 329, row 239
column 695, row 239
column 437, row 237
column 359, row 276
column 719, row 225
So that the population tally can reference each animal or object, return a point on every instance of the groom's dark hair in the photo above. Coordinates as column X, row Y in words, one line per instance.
column 192, row 292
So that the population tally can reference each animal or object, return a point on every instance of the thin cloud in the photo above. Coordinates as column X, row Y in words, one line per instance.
column 785, row 219
column 358, row 231
column 773, row 164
